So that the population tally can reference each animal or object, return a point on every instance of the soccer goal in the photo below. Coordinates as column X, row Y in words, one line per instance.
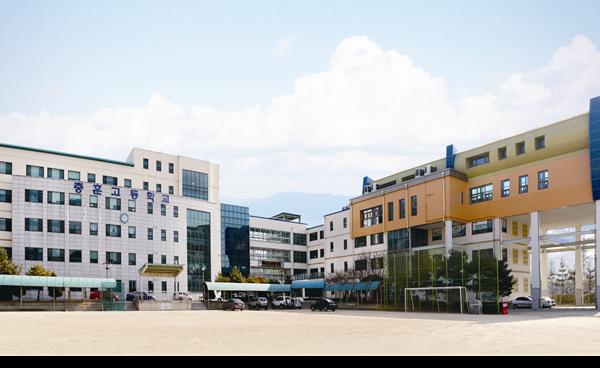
column 436, row 298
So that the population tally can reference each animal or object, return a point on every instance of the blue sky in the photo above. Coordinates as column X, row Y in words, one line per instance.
column 292, row 96
column 75, row 57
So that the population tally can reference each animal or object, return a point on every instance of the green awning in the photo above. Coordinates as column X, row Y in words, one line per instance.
column 235, row 286
column 354, row 286
column 47, row 281
column 161, row 270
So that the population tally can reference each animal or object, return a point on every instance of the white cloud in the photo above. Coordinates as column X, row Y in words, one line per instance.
column 372, row 112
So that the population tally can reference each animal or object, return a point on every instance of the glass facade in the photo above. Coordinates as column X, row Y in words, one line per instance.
column 198, row 248
column 235, row 238
column 195, row 184
column 271, row 236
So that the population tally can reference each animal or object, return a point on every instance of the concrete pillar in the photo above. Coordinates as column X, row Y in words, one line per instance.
column 534, row 244
column 544, row 273
column 448, row 236
column 578, row 276
column 597, row 252
column 497, row 238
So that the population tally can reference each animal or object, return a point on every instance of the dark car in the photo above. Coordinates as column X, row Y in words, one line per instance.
column 234, row 304
column 139, row 295
column 324, row 304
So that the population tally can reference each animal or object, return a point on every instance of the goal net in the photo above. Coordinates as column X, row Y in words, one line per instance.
column 436, row 299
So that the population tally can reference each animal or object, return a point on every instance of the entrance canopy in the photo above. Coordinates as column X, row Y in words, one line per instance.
column 355, row 286
column 235, row 286
column 61, row 282
column 161, row 270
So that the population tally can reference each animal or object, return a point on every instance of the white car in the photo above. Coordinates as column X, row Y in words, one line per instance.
column 281, row 302
column 547, row 302
column 182, row 295
column 526, row 302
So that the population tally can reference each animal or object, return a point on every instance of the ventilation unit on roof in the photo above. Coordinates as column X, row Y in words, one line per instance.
column 430, row 169
column 419, row 172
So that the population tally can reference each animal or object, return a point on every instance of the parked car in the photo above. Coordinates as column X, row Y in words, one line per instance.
column 547, row 302
column 324, row 304
column 182, row 295
column 527, row 302
column 99, row 295
column 297, row 303
column 234, row 304
column 258, row 303
column 139, row 295
column 282, row 302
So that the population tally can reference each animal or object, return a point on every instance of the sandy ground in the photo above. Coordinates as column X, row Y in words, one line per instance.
column 298, row 333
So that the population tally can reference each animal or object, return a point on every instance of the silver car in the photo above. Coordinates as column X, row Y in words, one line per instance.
column 527, row 302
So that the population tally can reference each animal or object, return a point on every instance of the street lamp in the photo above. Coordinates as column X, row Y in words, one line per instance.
column 202, row 285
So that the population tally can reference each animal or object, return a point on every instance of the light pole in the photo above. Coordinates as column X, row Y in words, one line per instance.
column 107, row 267
column 202, row 285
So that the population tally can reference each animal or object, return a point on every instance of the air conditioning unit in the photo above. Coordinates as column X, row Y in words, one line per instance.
column 419, row 172
column 429, row 169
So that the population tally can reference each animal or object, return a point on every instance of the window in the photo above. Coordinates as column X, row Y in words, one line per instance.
column 131, row 205
column 74, row 227
column 127, row 183
column 176, row 261
column 75, row 255
column 505, row 254
column 163, row 286
column 56, row 198
column 35, row 171
column 345, row 222
column 145, row 163
column 5, row 196
column 413, row 205
column 34, row 196
column 171, row 168
column 525, row 230
column 150, row 286
column 313, row 236
column 331, row 247
column 360, row 265
column 321, row 234
column 110, row 180
column 299, row 257
column 5, row 224
column 175, row 211
column 56, row 226
column 402, row 206
column 91, row 178
column 504, row 226
column 345, row 244
column 314, row 254
column 481, row 227
column 176, row 236
column 33, row 224
column 540, row 142
column 361, row 241
column 132, row 286
column 390, row 211
column 34, row 254
column 158, row 165
column 158, row 188
column 195, row 184
column 131, row 232
column 330, row 225
column 94, row 201
column 482, row 193
column 345, row 266
column 376, row 238
column 299, row 239
column 150, row 234
column 505, row 188
column 113, row 203
column 459, row 230
column 56, row 255
column 523, row 184
column 501, row 153
column 113, row 257
column 163, row 235
column 113, row 231
column 56, row 173
column 151, row 258
column 163, row 209
column 171, row 189
column 515, row 228
column 145, row 185
column 525, row 257
column 150, row 208
column 163, row 259
column 93, row 228
column 436, row 234
column 74, row 175
column 520, row 148
column 321, row 253
column 543, row 179
column 515, row 256
column 74, row 199
column 331, row 267
column 93, row 256
column 478, row 160
column 371, row 216
column 6, row 168
column 131, row 259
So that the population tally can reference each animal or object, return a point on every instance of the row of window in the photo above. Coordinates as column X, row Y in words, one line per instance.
column 484, row 158
column 159, row 165
column 344, row 224
column 276, row 236
column 485, row 192
column 75, row 256
column 316, row 235
column 361, row 264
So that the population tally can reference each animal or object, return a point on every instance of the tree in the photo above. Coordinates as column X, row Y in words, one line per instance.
column 236, row 275
column 563, row 277
column 221, row 278
column 54, row 291
column 7, row 267
column 39, row 270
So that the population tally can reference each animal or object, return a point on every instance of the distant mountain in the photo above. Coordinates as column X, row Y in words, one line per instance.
column 311, row 206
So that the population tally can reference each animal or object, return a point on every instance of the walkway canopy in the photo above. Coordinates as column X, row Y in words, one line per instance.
column 355, row 286
column 239, row 286
column 160, row 270
column 60, row 282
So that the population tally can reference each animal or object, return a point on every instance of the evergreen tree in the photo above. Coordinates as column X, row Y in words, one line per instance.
column 236, row 275
column 7, row 267
column 39, row 270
